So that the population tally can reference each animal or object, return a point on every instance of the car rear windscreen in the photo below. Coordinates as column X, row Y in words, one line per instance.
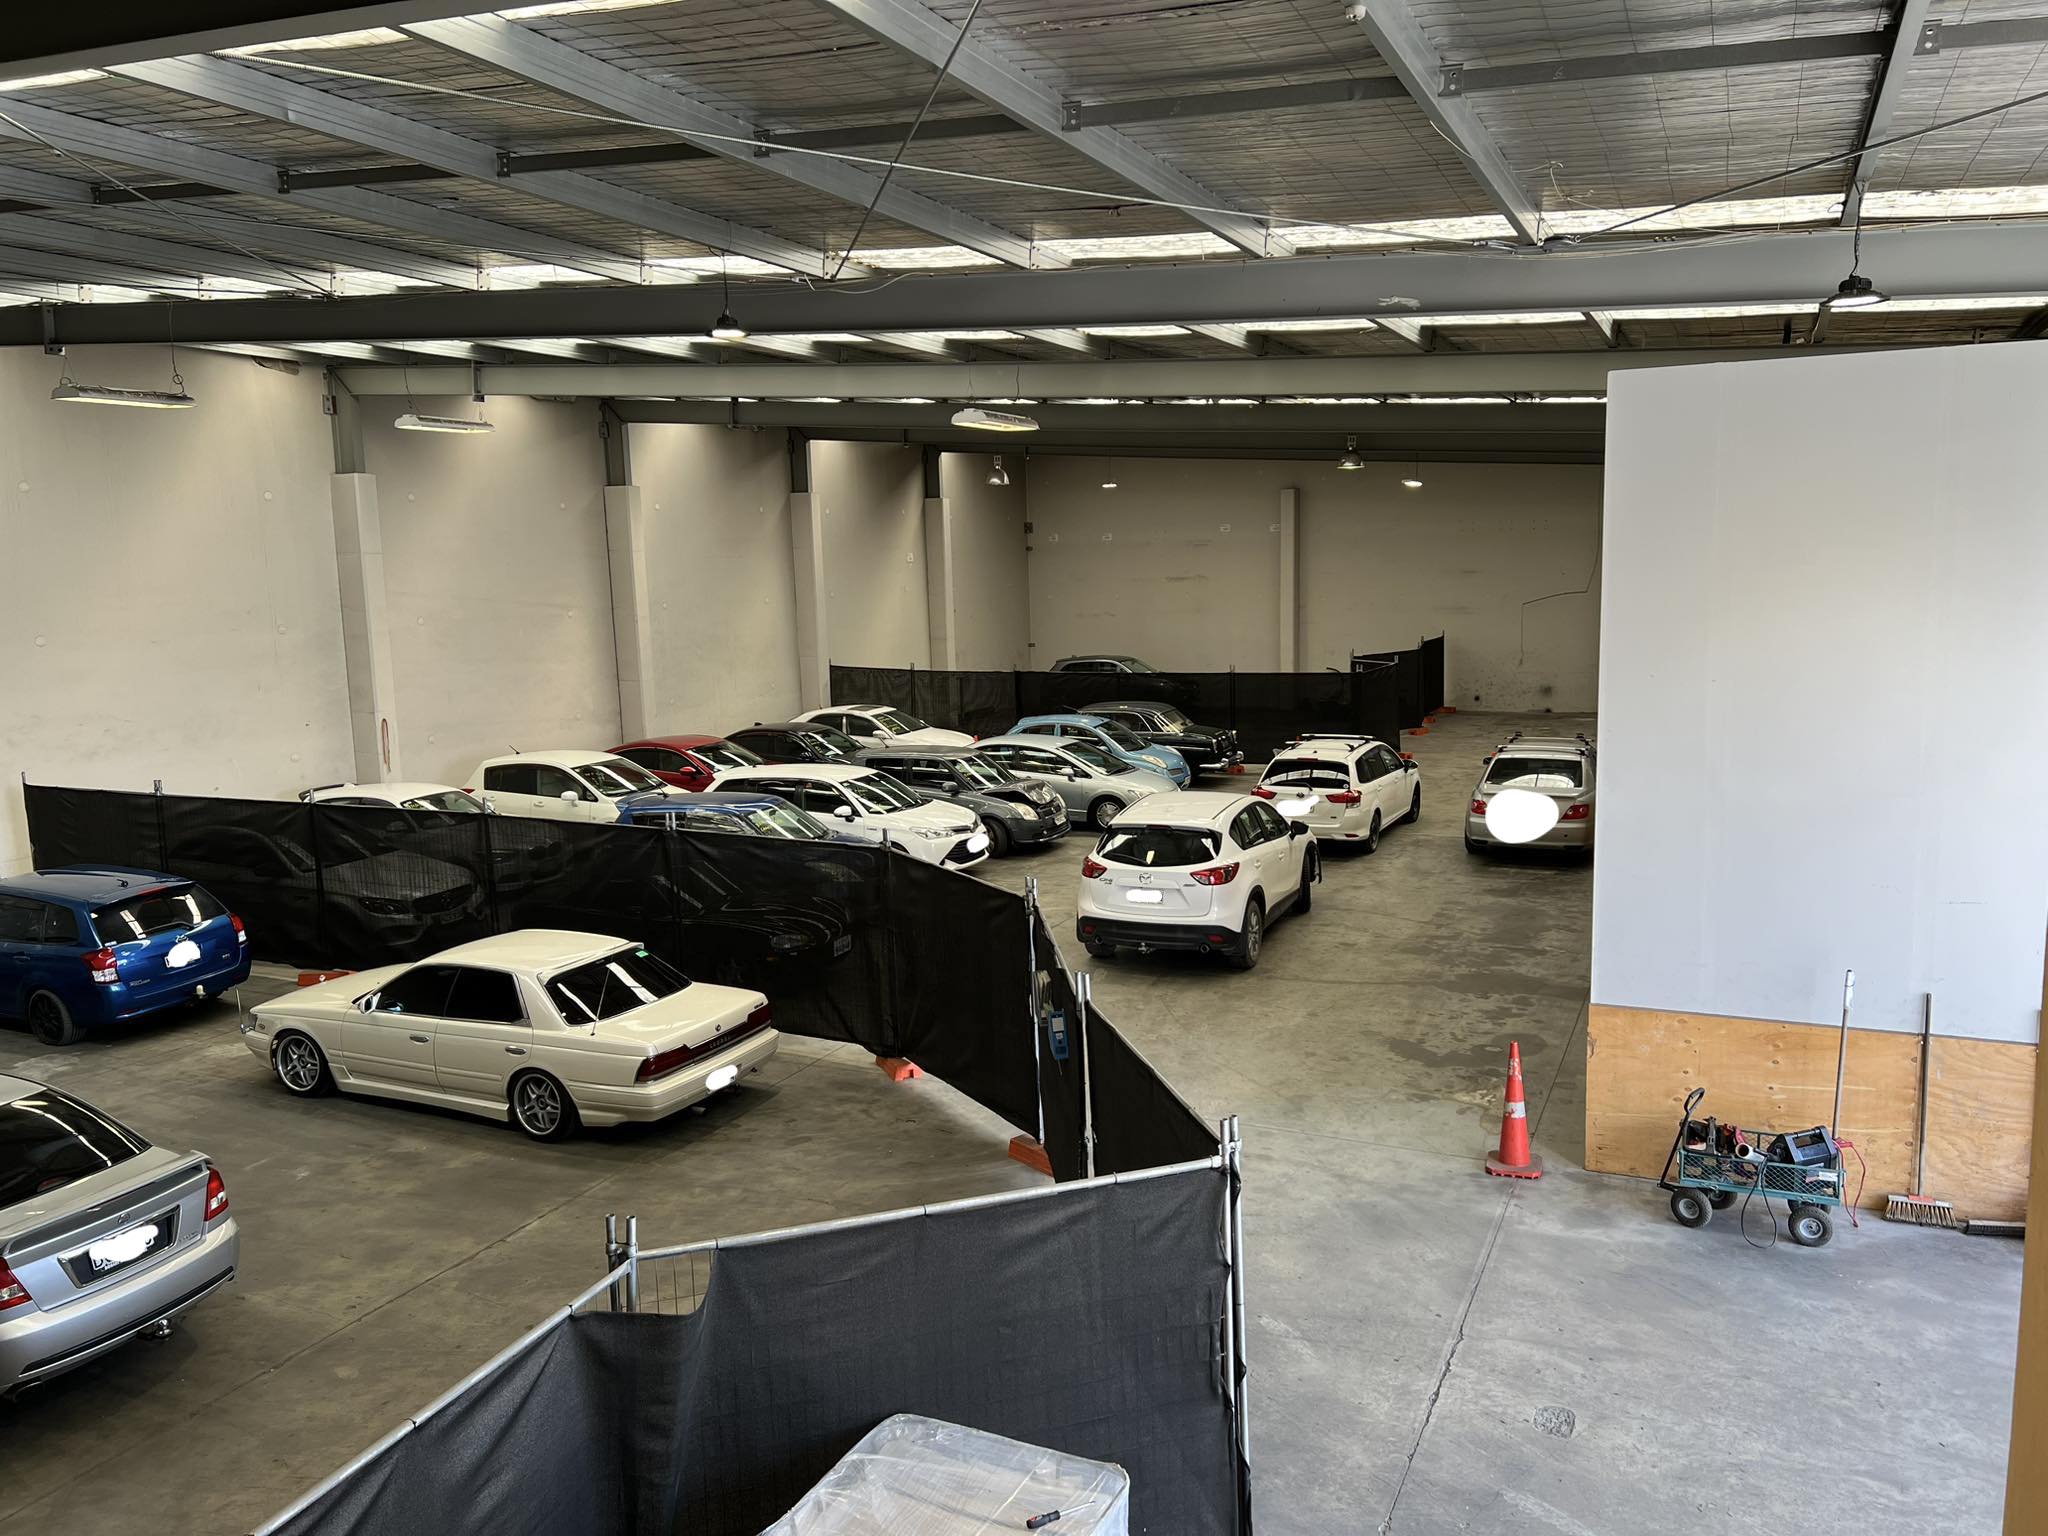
column 1158, row 847
column 615, row 984
column 48, row 1140
column 166, row 909
column 1536, row 773
column 1306, row 773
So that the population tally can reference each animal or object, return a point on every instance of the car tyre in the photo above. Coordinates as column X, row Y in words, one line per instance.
column 1100, row 951
column 1252, row 940
column 541, row 1107
column 998, row 836
column 1470, row 846
column 1103, row 811
column 300, row 1065
column 1414, row 807
column 1306, row 898
column 1371, row 844
column 51, row 1022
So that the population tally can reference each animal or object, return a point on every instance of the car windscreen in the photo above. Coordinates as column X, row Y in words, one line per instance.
column 1536, row 773
column 49, row 1139
column 982, row 772
column 445, row 800
column 164, row 909
column 1156, row 847
column 896, row 722
column 721, row 755
column 787, row 821
column 826, row 742
column 880, row 792
column 614, row 984
column 1123, row 738
column 615, row 778
column 1097, row 759
column 1306, row 773
column 1132, row 664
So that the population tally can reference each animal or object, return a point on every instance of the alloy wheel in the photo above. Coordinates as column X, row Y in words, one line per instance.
column 538, row 1104
column 298, row 1063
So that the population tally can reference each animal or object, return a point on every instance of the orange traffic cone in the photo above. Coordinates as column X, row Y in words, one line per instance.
column 1514, row 1159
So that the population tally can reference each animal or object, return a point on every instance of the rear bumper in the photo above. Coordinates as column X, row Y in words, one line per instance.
column 1566, row 834
column 678, row 1091
column 1126, row 934
column 122, row 1001
column 38, row 1345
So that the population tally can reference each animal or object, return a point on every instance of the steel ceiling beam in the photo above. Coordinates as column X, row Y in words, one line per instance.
column 75, row 269
column 1398, row 38
column 90, row 139
column 544, row 61
column 251, row 90
column 1962, row 259
column 41, row 40
column 1026, row 96
column 57, row 235
column 301, row 244
column 1055, row 421
column 1889, row 91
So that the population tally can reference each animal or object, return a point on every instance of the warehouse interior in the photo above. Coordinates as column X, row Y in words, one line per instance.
column 466, row 385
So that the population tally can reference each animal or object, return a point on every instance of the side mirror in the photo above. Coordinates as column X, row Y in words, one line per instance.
column 571, row 796
column 367, row 1004
column 843, row 812
column 1071, row 773
column 1297, row 829
column 490, row 805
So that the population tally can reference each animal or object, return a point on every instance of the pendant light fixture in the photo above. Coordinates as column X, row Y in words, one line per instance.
column 725, row 328
column 1855, row 291
column 1413, row 479
column 175, row 398
column 999, row 475
column 1351, row 459
column 1109, row 475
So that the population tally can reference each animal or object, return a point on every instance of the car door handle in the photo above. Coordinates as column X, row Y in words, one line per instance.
column 515, row 1050
column 421, row 1039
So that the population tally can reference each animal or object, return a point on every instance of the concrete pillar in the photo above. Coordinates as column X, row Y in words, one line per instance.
column 807, row 556
column 625, row 525
column 365, row 628
column 1290, row 579
column 938, row 583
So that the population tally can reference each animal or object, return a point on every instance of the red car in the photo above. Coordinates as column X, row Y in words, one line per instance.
column 688, row 762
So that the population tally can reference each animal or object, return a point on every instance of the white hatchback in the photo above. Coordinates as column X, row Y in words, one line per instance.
column 565, row 785
column 878, row 725
column 873, row 806
column 1195, row 869
column 1354, row 787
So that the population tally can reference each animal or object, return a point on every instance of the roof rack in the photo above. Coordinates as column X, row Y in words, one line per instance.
column 1348, row 738
column 1583, row 742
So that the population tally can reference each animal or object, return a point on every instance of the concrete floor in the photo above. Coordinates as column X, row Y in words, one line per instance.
column 1432, row 1351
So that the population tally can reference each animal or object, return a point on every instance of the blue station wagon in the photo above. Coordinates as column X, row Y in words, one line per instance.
column 85, row 947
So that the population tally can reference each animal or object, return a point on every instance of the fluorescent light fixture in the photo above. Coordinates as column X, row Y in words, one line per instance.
column 1712, row 311
column 728, row 329
column 1855, row 292
column 1351, row 460
column 363, row 37
column 420, row 421
column 574, row 8
column 984, row 420
column 62, row 77
column 106, row 394
column 1509, row 317
column 999, row 475
column 1357, row 323
column 1109, row 475
column 1132, row 330
column 1939, row 306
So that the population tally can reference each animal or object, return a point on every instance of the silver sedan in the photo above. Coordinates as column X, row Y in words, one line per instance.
column 1562, row 767
column 102, row 1236
column 1092, row 782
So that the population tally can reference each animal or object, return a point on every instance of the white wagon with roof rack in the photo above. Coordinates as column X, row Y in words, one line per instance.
column 1355, row 786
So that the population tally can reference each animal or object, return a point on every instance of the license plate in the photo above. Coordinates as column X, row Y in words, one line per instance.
column 1143, row 896
column 182, row 954
column 977, row 842
column 123, row 1247
column 842, row 944
column 722, row 1078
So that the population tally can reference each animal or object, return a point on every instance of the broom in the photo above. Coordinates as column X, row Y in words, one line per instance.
column 1916, row 1207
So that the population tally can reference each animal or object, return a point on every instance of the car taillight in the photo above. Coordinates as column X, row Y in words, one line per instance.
column 661, row 1063
column 1263, row 793
column 1217, row 874
column 1478, row 807
column 12, row 1292
column 216, row 1194
column 101, row 963
column 241, row 933
column 1093, row 869
column 1577, row 812
column 1344, row 797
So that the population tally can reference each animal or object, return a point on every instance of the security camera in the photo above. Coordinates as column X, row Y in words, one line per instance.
column 1357, row 10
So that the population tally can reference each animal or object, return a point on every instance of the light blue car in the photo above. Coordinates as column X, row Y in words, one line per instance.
column 1112, row 738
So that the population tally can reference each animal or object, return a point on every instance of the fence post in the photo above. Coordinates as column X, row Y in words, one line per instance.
column 319, row 881
column 1037, row 998
column 1084, row 992
column 163, row 839
column 1233, row 1148
column 490, row 869
column 614, row 1256
column 633, row 1263
column 1233, row 701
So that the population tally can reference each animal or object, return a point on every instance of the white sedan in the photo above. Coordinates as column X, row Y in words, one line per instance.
column 543, row 1027
column 878, row 725
column 872, row 806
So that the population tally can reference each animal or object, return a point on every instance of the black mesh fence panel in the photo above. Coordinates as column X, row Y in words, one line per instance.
column 1408, row 685
column 1091, row 1322
column 1140, row 1122
column 1432, row 674
column 1059, row 1058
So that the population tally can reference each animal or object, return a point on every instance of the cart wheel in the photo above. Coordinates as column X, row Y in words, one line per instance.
column 1810, row 1226
column 1721, row 1199
column 1689, row 1208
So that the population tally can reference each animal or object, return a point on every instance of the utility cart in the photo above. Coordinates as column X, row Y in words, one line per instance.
column 1713, row 1165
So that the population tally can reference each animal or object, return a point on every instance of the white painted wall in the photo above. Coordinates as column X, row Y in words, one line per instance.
column 991, row 604
column 1181, row 565
column 1821, row 731
column 871, row 501
column 722, row 595
column 497, row 584
column 168, row 605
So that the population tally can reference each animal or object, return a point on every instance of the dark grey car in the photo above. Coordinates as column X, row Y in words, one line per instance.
column 1204, row 748
column 1015, row 811
column 102, row 1236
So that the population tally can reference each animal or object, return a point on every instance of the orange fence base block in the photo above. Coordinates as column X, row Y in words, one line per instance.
column 899, row 1070
column 1420, row 730
column 314, row 978
column 1026, row 1150
column 1447, row 709
column 1237, row 767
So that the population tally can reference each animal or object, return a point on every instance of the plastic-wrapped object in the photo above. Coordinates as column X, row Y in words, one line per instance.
column 913, row 1476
